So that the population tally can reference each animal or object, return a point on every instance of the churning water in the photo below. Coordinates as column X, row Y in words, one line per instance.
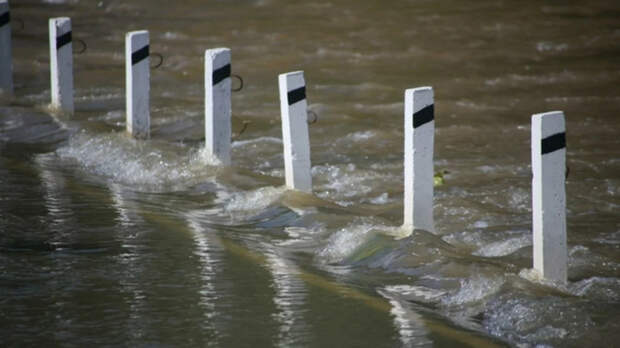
column 106, row 240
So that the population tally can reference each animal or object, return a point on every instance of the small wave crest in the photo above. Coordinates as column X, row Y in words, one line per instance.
column 131, row 162
column 356, row 241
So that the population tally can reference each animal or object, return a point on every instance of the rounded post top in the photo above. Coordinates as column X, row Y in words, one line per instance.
column 216, row 58
column 549, row 123
column 293, row 80
column 136, row 33
column 293, row 73
column 213, row 52
column 60, row 21
column 417, row 99
column 419, row 90
column 137, row 39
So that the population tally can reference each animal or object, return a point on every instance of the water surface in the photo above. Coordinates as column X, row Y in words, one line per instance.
column 109, row 241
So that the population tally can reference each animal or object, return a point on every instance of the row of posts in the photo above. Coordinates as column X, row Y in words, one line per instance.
column 548, row 134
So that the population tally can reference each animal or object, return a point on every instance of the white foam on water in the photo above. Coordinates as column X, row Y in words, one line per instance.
column 537, row 320
column 208, row 158
column 504, row 247
column 114, row 117
column 240, row 143
column 170, row 35
column 418, row 293
column 481, row 224
column 133, row 162
column 361, row 136
column 263, row 153
column 550, row 78
column 346, row 241
column 547, row 332
column 612, row 238
column 390, row 108
column 586, row 261
column 474, row 289
column 380, row 199
column 254, row 201
column 470, row 104
column 533, row 276
column 346, row 184
column 547, row 46
column 302, row 237
column 489, row 243
column 347, row 89
column 597, row 288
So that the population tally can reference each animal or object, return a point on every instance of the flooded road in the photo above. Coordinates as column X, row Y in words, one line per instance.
column 107, row 240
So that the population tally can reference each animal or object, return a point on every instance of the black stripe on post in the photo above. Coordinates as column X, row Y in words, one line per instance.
column 5, row 18
column 63, row 39
column 220, row 74
column 140, row 55
column 296, row 95
column 424, row 116
column 553, row 143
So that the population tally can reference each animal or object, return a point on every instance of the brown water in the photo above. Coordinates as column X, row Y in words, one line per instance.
column 110, row 241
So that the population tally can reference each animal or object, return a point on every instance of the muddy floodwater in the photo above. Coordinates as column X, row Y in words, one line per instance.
column 110, row 241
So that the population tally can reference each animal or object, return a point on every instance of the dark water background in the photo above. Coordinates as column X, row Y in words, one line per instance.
column 109, row 241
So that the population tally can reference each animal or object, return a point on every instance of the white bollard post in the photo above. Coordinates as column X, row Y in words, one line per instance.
column 548, row 195
column 419, row 138
column 61, row 63
column 6, row 64
column 137, row 83
column 293, row 109
column 217, row 104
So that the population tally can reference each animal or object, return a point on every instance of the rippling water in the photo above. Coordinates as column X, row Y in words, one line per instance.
column 107, row 240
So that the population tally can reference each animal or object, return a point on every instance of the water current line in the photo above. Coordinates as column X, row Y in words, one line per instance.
column 58, row 206
column 124, row 214
column 56, row 202
column 409, row 323
column 290, row 296
column 206, row 243
column 127, row 221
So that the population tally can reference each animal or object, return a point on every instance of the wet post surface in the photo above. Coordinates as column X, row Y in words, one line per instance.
column 217, row 104
column 61, row 63
column 6, row 64
column 549, row 195
column 419, row 138
column 137, row 83
column 294, row 112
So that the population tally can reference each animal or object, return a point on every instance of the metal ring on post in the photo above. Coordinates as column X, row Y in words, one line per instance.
column 240, row 83
column 84, row 46
column 243, row 128
column 316, row 117
column 161, row 60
